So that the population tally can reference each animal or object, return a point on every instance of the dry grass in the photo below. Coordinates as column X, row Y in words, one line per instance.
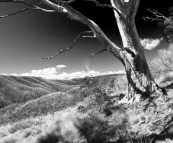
column 125, row 124
column 92, row 114
column 68, row 125
column 41, row 106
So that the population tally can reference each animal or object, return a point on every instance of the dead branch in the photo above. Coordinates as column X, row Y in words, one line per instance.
column 103, row 50
column 31, row 7
column 107, row 6
column 75, row 15
column 67, row 2
column 97, row 4
column 157, row 16
column 81, row 35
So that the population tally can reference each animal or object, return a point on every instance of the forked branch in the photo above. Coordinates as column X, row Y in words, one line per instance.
column 165, row 24
column 81, row 35
column 97, row 4
column 107, row 6
column 75, row 15
column 31, row 7
column 157, row 16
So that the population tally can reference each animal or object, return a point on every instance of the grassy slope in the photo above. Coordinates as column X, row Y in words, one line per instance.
column 67, row 123
column 28, row 121
column 25, row 97
column 49, row 103
column 22, row 89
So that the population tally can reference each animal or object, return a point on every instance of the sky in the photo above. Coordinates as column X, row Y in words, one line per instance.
column 28, row 37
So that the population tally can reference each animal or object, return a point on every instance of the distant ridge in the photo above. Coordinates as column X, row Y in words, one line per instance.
column 22, row 97
column 20, row 89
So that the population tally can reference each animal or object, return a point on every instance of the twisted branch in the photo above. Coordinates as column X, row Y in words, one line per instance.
column 75, row 15
column 81, row 35
column 31, row 7
column 107, row 6
column 157, row 16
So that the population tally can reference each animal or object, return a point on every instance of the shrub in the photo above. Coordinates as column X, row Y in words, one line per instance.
column 120, row 84
column 162, row 64
column 97, row 97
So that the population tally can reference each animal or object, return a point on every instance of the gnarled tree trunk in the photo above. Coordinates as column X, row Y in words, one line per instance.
column 132, row 54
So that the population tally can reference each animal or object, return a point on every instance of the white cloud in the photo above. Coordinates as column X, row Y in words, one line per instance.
column 4, row 74
column 60, row 66
column 82, row 74
column 14, row 74
column 150, row 44
column 78, row 74
column 52, row 73
column 45, row 73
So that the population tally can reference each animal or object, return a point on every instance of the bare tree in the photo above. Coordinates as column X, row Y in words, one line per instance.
column 140, row 80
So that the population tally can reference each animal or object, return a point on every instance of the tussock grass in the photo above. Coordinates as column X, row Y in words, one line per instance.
column 64, row 126
column 123, row 125
column 162, row 64
column 92, row 112
column 41, row 106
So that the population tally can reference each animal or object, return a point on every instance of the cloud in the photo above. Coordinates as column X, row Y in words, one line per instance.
column 150, row 44
column 60, row 66
column 78, row 74
column 45, row 73
column 82, row 74
column 52, row 73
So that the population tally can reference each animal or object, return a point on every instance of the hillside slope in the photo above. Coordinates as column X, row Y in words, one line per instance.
column 22, row 89
column 44, row 105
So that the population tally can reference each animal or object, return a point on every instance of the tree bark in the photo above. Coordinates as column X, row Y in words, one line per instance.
column 140, row 80
column 139, row 77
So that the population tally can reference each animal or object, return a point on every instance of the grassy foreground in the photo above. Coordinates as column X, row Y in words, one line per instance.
column 72, row 116
column 90, row 110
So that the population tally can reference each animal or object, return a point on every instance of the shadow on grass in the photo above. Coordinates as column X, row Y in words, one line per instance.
column 50, row 138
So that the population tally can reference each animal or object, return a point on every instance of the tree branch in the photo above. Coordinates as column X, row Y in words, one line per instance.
column 157, row 16
column 67, row 2
column 81, row 35
column 107, row 6
column 103, row 50
column 128, row 8
column 32, row 7
column 75, row 15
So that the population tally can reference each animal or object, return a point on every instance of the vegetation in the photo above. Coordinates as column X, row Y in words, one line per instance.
column 49, row 111
column 162, row 64
column 22, row 89
column 131, row 54
column 165, row 24
column 91, row 112
column 88, row 119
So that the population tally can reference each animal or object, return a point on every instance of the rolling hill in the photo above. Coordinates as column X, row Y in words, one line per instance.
column 24, row 97
column 22, row 89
